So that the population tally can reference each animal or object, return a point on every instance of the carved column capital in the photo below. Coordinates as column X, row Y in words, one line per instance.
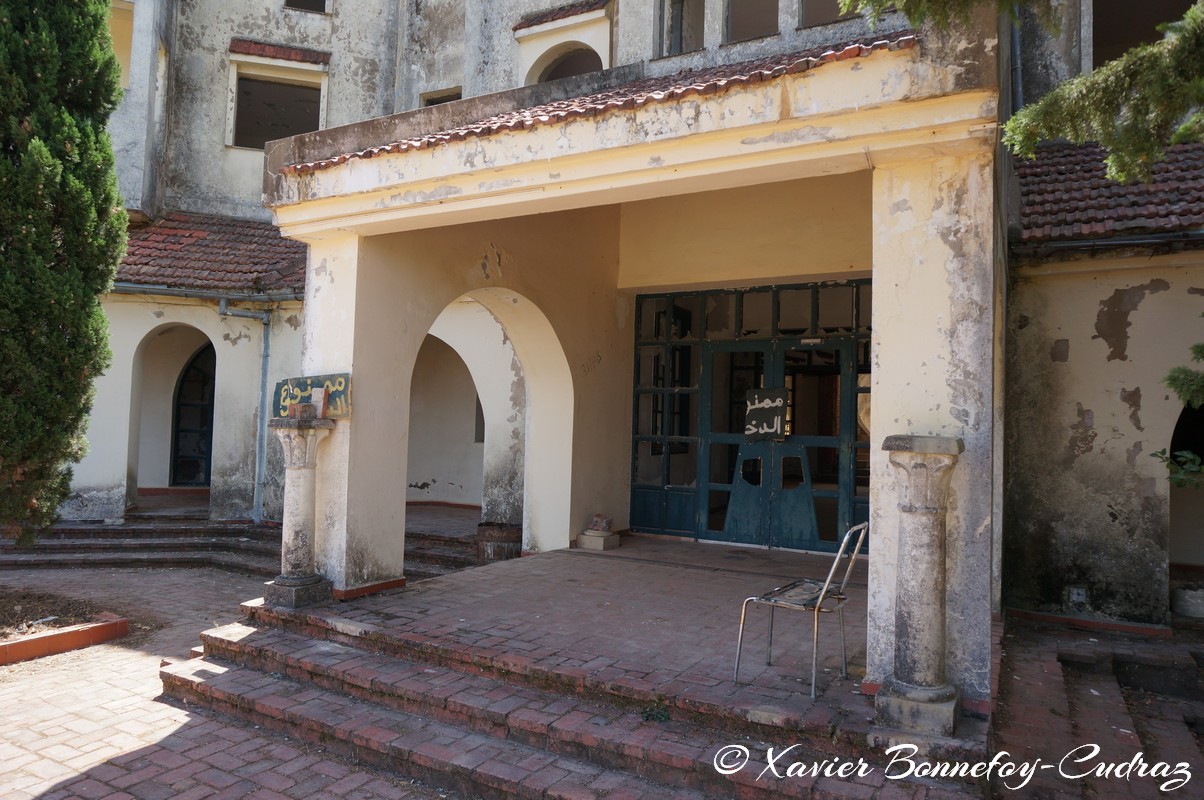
column 299, row 439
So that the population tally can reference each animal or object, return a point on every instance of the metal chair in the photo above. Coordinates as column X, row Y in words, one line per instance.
column 810, row 595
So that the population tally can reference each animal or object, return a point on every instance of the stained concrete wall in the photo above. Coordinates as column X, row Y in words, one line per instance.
column 431, row 58
column 206, row 175
column 133, row 386
column 1087, row 507
column 137, row 125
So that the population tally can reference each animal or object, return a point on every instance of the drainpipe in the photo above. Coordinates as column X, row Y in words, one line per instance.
column 261, row 436
column 1017, row 75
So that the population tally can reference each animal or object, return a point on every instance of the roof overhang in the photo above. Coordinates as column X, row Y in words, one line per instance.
column 854, row 114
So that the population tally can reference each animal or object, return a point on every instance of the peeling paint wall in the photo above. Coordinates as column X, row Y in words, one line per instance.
column 432, row 53
column 1087, row 507
column 203, row 173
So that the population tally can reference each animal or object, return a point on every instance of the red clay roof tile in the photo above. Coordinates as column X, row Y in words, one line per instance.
column 643, row 92
column 197, row 251
column 1064, row 195
column 562, row 12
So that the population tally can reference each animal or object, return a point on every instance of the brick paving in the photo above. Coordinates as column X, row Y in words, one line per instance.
column 88, row 724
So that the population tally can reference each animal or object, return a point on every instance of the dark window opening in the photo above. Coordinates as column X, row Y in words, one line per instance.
column 574, row 62
column 821, row 12
column 268, row 110
column 307, row 5
column 441, row 97
column 682, row 30
column 751, row 19
column 1119, row 25
column 192, row 429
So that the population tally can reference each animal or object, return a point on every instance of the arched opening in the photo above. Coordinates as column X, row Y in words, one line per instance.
column 465, row 466
column 565, row 61
column 1187, row 504
column 495, row 348
column 192, row 421
column 169, row 462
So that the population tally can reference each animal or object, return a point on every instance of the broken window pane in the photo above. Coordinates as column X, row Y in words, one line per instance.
column 794, row 312
column 269, row 110
column 652, row 313
column 836, row 309
column 721, row 316
column 682, row 22
column 758, row 313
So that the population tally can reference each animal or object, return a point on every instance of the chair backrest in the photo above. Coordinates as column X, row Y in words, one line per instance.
column 860, row 531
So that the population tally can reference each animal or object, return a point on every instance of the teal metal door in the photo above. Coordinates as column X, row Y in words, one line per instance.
column 795, row 491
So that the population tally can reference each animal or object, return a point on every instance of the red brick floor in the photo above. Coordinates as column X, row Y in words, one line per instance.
column 87, row 724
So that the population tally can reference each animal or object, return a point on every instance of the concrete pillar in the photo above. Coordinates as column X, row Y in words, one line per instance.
column 934, row 374
column 917, row 696
column 297, row 584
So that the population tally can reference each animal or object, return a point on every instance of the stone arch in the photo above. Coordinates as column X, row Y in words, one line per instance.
column 1187, row 503
column 564, row 60
column 542, row 392
column 159, row 360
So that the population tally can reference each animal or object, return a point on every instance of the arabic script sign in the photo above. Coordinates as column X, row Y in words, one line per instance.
column 766, row 415
column 300, row 390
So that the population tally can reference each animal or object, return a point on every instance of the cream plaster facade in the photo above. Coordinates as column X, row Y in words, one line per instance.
column 129, row 433
column 879, row 167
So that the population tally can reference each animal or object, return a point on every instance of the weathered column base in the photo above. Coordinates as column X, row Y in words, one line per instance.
column 292, row 592
column 597, row 540
column 498, row 541
column 917, row 709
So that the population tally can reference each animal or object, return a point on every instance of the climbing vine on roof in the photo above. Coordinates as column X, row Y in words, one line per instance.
column 1134, row 106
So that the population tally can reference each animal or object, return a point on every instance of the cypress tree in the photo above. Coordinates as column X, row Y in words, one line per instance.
column 62, row 234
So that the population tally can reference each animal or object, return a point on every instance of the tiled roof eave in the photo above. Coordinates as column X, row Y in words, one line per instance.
column 624, row 99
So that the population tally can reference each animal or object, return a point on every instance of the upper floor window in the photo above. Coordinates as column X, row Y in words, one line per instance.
column 682, row 26
column 750, row 19
column 1120, row 25
column 821, row 12
column 275, row 92
column 578, row 61
column 307, row 5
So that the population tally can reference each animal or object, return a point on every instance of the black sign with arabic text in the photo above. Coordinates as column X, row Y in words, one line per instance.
column 766, row 415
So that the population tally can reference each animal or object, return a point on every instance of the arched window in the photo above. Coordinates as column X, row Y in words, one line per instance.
column 575, row 62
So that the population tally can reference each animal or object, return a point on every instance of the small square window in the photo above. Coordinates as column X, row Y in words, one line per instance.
column 751, row 19
column 268, row 110
column 307, row 5
column 441, row 97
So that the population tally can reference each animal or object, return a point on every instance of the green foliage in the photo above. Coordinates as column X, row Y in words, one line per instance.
column 1133, row 106
column 1184, row 468
column 945, row 13
column 62, row 234
column 1188, row 383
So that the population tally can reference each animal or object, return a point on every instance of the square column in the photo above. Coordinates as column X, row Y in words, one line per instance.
column 934, row 374
column 356, row 322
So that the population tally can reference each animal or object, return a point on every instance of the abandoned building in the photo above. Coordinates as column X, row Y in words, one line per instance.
column 559, row 250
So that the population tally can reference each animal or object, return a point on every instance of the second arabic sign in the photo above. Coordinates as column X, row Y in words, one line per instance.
column 766, row 415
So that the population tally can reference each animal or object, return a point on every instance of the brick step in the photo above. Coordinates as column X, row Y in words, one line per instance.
column 1099, row 715
column 417, row 571
column 1165, row 726
column 433, row 752
column 266, row 533
column 135, row 515
column 465, row 544
column 152, row 544
column 675, row 752
column 249, row 563
column 457, row 558
column 745, row 709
